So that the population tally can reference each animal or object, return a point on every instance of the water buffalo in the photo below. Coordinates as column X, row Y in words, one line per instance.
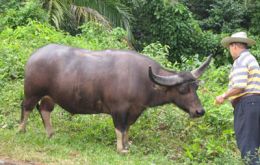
column 117, row 82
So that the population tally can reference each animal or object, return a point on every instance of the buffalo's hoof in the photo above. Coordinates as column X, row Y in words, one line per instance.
column 124, row 151
column 127, row 146
column 21, row 130
column 50, row 135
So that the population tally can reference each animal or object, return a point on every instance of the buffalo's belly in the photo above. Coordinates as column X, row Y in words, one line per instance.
column 94, row 107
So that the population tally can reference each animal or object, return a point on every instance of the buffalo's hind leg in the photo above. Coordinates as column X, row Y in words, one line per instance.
column 45, row 109
column 26, row 108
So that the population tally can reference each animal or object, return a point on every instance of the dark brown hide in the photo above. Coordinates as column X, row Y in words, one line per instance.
column 115, row 82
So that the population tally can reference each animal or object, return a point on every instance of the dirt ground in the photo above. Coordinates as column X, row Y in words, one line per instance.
column 8, row 161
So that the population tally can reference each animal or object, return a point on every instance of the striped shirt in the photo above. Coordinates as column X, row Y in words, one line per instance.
column 245, row 74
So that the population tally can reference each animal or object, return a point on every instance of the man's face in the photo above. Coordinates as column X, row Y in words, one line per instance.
column 232, row 49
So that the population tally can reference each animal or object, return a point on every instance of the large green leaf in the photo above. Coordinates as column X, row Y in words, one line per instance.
column 111, row 13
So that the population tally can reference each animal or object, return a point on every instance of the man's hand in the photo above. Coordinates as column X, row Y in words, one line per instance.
column 231, row 92
column 219, row 99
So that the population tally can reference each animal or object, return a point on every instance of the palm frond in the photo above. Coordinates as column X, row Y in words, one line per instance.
column 87, row 14
column 111, row 13
column 111, row 10
column 56, row 10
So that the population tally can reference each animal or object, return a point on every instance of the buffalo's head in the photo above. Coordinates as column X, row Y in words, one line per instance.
column 182, row 87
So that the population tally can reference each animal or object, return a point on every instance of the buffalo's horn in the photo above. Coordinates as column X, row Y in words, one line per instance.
column 165, row 80
column 196, row 73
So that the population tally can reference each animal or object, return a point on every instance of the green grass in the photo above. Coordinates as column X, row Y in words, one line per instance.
column 162, row 135
column 66, row 149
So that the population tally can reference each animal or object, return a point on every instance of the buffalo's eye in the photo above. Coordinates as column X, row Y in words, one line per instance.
column 184, row 88
column 196, row 86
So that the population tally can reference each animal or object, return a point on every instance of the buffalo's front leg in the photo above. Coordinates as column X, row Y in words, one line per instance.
column 122, row 141
column 121, row 129
column 125, row 139
column 46, row 107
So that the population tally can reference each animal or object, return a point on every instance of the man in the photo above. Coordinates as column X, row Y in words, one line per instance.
column 244, row 94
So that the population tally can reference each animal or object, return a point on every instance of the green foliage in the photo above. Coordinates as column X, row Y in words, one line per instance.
column 19, row 43
column 158, row 52
column 7, row 4
column 10, row 100
column 200, row 8
column 69, row 15
column 253, row 9
column 108, row 39
column 225, row 16
column 21, row 12
column 256, row 49
column 172, row 25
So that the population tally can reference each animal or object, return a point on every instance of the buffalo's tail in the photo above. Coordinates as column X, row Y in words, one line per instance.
column 22, row 111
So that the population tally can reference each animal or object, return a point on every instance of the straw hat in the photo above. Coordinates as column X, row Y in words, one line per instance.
column 240, row 37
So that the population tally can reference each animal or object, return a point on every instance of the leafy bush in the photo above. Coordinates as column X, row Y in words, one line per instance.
column 159, row 53
column 172, row 25
column 101, row 37
column 225, row 16
column 256, row 49
column 7, row 4
column 20, row 13
column 17, row 44
column 254, row 15
column 222, row 15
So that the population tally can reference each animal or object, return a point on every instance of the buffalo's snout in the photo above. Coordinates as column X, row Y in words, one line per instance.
column 197, row 113
column 200, row 112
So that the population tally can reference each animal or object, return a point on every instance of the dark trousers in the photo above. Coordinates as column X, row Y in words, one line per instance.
column 247, row 127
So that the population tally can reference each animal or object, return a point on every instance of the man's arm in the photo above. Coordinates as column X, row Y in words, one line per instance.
column 231, row 92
